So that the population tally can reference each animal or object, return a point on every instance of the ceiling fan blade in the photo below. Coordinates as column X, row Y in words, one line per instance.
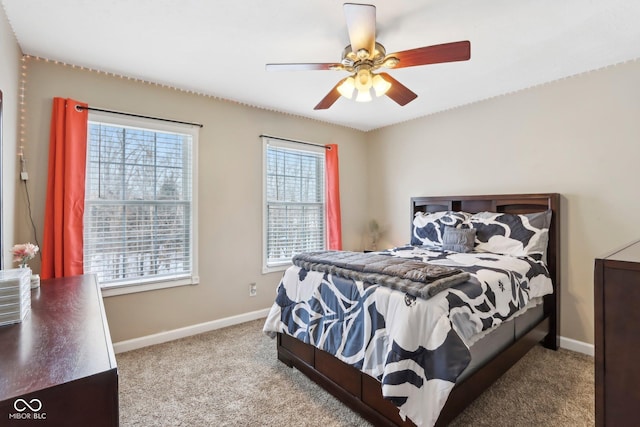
column 398, row 92
column 302, row 67
column 447, row 52
column 361, row 24
column 331, row 97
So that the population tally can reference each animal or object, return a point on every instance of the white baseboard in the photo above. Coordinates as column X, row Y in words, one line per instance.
column 161, row 337
column 577, row 346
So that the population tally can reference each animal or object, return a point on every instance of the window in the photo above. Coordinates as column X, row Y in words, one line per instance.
column 140, row 215
column 294, row 201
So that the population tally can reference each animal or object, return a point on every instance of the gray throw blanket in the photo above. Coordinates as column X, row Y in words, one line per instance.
column 414, row 277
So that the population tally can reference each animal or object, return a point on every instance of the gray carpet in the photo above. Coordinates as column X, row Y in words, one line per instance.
column 231, row 377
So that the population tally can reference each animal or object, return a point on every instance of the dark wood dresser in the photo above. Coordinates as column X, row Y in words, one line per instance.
column 57, row 367
column 617, row 337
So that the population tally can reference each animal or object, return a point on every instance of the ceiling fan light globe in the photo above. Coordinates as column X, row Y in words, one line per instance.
column 380, row 85
column 363, row 80
column 363, row 96
column 347, row 87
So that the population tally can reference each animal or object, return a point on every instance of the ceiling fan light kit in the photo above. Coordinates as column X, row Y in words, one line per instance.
column 363, row 81
column 380, row 85
column 364, row 55
column 347, row 87
column 363, row 96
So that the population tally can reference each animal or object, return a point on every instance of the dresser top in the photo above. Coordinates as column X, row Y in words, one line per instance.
column 627, row 254
column 65, row 337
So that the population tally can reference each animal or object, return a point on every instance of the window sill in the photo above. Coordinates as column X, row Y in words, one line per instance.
column 131, row 288
column 276, row 268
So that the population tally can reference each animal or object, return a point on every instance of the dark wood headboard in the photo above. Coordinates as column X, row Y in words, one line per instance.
column 515, row 204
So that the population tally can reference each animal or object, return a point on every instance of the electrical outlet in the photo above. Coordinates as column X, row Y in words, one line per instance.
column 253, row 289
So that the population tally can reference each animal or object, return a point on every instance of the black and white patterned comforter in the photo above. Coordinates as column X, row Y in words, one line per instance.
column 415, row 347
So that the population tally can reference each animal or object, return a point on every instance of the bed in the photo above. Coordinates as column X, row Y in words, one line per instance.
column 399, row 390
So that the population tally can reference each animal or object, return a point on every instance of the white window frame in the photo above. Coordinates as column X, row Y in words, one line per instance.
column 127, row 287
column 292, row 145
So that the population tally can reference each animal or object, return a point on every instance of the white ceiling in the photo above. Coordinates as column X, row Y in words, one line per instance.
column 220, row 48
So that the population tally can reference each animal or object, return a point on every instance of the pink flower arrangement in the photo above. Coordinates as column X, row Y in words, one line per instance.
column 23, row 253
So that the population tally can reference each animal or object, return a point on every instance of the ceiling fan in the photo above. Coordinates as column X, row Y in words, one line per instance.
column 364, row 56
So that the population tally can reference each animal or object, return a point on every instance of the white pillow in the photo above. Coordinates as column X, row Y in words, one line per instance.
column 510, row 234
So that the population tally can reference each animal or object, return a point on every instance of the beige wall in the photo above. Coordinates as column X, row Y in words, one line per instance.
column 10, row 86
column 230, row 186
column 579, row 137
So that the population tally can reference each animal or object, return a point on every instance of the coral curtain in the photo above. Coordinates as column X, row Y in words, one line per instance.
column 334, row 224
column 62, row 246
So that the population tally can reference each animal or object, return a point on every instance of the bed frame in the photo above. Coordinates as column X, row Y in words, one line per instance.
column 363, row 393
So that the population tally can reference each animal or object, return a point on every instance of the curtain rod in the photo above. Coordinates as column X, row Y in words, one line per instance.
column 296, row 141
column 80, row 107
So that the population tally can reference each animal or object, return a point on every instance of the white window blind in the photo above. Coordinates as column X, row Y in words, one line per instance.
column 294, row 200
column 139, row 213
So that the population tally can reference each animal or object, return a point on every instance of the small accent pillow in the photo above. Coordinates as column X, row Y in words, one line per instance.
column 510, row 234
column 428, row 227
column 458, row 239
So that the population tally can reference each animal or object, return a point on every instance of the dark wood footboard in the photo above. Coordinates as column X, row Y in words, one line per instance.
column 363, row 393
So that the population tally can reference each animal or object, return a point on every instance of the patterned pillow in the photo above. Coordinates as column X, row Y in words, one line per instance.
column 428, row 228
column 510, row 234
column 458, row 239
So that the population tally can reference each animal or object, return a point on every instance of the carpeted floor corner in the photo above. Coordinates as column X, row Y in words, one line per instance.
column 545, row 388
column 231, row 377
